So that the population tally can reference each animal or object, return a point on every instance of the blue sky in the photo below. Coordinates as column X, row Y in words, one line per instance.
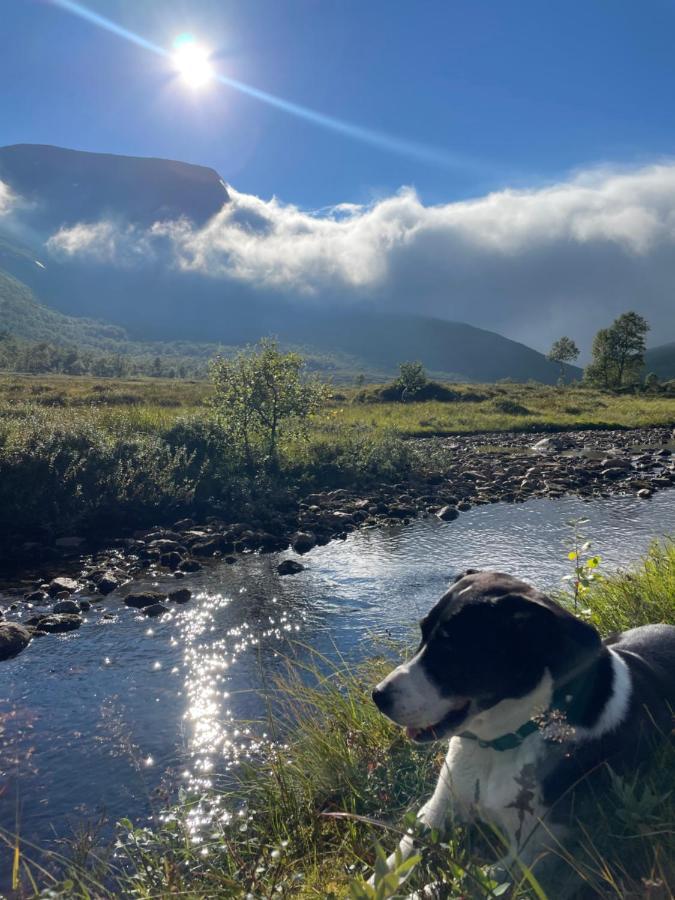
column 513, row 93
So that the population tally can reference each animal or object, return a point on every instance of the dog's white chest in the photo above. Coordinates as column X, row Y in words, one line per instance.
column 497, row 786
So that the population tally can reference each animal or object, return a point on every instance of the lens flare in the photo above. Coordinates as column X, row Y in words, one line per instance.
column 391, row 143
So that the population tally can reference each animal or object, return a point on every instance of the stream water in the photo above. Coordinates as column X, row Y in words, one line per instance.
column 110, row 718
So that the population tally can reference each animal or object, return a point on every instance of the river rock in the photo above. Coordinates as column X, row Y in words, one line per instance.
column 66, row 606
column 39, row 598
column 171, row 560
column 107, row 583
column 156, row 609
column 190, row 565
column 448, row 513
column 182, row 595
column 290, row 567
column 59, row 623
column 143, row 599
column 303, row 541
column 13, row 639
column 57, row 585
column 85, row 605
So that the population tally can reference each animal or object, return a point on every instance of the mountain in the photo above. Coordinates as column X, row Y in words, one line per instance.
column 152, row 300
column 661, row 361
column 64, row 187
column 22, row 316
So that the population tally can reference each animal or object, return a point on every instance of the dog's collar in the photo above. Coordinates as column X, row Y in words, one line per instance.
column 505, row 741
column 561, row 703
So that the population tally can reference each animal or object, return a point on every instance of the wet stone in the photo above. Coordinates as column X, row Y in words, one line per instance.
column 290, row 567
column 156, row 609
column 66, row 606
column 57, row 585
column 13, row 639
column 143, row 599
column 448, row 513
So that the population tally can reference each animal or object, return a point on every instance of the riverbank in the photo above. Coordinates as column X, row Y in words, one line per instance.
column 393, row 482
column 330, row 751
column 103, row 459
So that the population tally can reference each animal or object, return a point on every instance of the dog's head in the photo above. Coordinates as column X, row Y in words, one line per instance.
column 490, row 638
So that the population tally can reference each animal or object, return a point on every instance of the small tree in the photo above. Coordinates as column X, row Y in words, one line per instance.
column 412, row 379
column 619, row 352
column 262, row 395
column 652, row 383
column 563, row 351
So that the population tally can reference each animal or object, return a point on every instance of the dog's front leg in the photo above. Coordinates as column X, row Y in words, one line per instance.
column 432, row 815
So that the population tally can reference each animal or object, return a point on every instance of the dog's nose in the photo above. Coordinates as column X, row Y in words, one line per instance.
column 380, row 698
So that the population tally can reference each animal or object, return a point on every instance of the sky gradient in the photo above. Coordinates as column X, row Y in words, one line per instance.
column 509, row 94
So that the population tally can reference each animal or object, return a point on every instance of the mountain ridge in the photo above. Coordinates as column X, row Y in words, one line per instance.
column 155, row 301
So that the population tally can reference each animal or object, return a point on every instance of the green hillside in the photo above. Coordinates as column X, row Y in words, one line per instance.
column 661, row 361
column 25, row 318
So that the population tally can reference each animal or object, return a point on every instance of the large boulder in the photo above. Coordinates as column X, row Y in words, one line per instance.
column 13, row 639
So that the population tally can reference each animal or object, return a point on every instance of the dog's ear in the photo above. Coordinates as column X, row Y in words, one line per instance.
column 561, row 640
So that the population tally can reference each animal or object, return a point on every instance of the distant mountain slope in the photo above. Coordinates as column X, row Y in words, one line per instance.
column 454, row 350
column 69, row 186
column 661, row 361
column 24, row 317
column 370, row 343
column 153, row 300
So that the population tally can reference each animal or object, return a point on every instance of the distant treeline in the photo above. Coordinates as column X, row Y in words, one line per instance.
column 44, row 357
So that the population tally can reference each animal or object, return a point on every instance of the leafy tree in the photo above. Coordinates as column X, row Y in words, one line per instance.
column 619, row 352
column 262, row 396
column 412, row 379
column 563, row 351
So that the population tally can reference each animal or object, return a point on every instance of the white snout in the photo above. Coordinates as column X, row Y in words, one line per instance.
column 415, row 702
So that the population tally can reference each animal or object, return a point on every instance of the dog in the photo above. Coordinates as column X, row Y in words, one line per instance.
column 532, row 701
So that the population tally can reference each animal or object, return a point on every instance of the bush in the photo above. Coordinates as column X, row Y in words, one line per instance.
column 511, row 408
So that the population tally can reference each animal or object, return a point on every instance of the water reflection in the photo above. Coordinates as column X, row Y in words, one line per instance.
column 115, row 716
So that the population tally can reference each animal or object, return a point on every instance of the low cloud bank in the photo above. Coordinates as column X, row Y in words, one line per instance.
column 530, row 263
column 7, row 199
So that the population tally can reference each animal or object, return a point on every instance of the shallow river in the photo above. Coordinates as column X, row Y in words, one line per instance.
column 102, row 720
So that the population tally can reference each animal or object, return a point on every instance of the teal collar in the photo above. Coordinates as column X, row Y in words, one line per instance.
column 505, row 741
column 561, row 703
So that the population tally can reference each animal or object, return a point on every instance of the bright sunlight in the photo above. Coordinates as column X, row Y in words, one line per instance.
column 192, row 61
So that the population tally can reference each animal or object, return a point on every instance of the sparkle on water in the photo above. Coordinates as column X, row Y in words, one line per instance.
column 116, row 716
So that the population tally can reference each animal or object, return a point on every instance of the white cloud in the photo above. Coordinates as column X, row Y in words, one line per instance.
column 105, row 241
column 7, row 199
column 527, row 262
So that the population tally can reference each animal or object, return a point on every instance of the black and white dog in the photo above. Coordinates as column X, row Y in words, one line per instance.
column 532, row 701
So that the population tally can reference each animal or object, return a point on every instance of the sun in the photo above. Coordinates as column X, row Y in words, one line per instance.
column 192, row 61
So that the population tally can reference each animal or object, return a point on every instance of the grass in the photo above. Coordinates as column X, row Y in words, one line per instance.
column 333, row 753
column 512, row 407
column 79, row 453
